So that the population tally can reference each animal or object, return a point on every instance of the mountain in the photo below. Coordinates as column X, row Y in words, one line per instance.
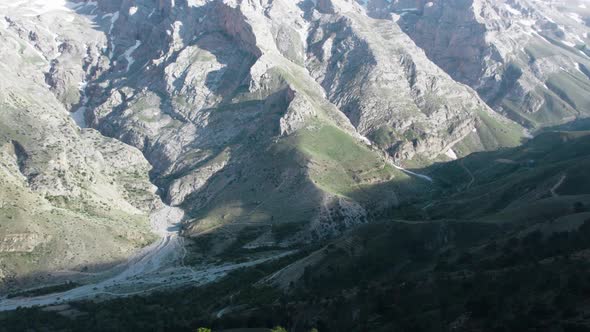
column 527, row 59
column 276, row 143
column 238, row 106
column 241, row 107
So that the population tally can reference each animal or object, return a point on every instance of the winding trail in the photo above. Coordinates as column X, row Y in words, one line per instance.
column 557, row 185
column 462, row 164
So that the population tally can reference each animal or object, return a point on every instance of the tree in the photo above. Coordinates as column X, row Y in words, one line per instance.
column 203, row 329
column 579, row 207
column 278, row 329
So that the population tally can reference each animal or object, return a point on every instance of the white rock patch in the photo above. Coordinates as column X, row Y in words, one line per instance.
column 129, row 52
column 451, row 154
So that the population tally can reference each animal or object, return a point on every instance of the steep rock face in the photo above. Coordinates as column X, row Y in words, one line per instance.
column 425, row 90
column 232, row 102
column 525, row 58
column 71, row 200
column 389, row 89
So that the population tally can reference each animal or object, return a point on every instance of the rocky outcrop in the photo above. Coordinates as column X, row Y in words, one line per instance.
column 12, row 243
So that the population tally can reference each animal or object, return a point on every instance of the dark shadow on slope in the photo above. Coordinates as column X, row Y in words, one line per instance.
column 411, row 274
column 401, row 276
column 576, row 125
column 467, row 52
column 251, row 160
column 195, row 304
column 267, row 182
column 515, row 179
column 41, row 282
column 351, row 61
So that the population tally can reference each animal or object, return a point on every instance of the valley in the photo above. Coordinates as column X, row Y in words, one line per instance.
column 499, row 228
column 334, row 164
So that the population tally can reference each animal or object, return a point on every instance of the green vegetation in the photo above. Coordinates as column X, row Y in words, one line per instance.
column 287, row 181
column 178, row 310
column 561, row 98
column 342, row 164
column 516, row 180
column 384, row 136
column 573, row 89
column 278, row 329
column 282, row 231
column 44, row 290
column 491, row 133
column 495, row 132
column 539, row 49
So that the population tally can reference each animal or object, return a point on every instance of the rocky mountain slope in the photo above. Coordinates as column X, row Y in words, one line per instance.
column 72, row 201
column 527, row 59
